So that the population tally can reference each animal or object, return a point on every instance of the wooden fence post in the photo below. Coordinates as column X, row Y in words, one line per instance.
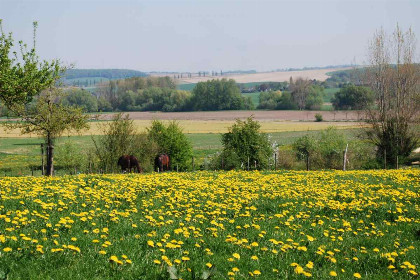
column 345, row 157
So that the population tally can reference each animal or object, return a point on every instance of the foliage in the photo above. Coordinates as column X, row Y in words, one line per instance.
column 217, row 95
column 237, row 224
column 82, row 99
column 110, row 74
column 331, row 146
column 305, row 147
column 275, row 100
column 314, row 98
column 48, row 118
column 245, row 144
column 306, row 94
column 118, row 91
column 118, row 139
column 71, row 158
column 172, row 141
column 26, row 76
column 269, row 99
column 353, row 97
column 318, row 117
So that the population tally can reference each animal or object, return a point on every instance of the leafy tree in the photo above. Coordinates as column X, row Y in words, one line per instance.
column 218, row 95
column 314, row 97
column 305, row 148
column 104, row 105
column 299, row 90
column 353, row 97
column 244, row 142
column 26, row 76
column 81, row 98
column 47, row 117
column 269, row 100
column 172, row 141
column 394, row 78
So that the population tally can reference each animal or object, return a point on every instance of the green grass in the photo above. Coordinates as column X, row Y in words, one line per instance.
column 188, row 87
column 329, row 93
column 255, row 97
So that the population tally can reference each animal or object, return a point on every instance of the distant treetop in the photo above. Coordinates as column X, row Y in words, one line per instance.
column 110, row 74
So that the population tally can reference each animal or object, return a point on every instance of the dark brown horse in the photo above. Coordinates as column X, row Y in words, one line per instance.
column 162, row 162
column 128, row 162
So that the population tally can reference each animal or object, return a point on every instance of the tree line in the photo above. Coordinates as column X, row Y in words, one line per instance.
column 158, row 94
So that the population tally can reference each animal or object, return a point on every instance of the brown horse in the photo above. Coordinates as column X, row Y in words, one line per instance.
column 127, row 162
column 162, row 162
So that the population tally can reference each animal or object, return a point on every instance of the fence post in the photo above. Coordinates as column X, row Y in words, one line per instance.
column 248, row 164
column 345, row 157
column 275, row 161
column 397, row 162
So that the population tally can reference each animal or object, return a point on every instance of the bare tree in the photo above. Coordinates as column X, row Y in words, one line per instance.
column 395, row 78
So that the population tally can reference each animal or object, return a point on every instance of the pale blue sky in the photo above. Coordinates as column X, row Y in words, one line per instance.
column 206, row 35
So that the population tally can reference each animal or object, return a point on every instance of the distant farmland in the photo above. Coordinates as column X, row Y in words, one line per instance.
column 283, row 76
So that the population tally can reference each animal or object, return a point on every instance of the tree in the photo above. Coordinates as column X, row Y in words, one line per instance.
column 353, row 97
column 394, row 78
column 305, row 148
column 81, row 98
column 299, row 90
column 118, row 139
column 23, row 75
column 245, row 144
column 218, row 95
column 47, row 117
column 314, row 97
column 172, row 141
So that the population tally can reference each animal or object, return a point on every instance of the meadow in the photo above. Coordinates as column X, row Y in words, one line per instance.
column 212, row 225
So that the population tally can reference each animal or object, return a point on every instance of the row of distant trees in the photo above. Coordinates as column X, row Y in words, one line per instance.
column 159, row 94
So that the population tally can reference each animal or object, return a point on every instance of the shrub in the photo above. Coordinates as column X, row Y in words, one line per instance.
column 245, row 143
column 171, row 140
column 318, row 117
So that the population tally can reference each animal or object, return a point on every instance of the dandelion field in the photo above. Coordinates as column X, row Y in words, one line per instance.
column 212, row 225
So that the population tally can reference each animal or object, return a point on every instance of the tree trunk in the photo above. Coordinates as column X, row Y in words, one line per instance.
column 50, row 157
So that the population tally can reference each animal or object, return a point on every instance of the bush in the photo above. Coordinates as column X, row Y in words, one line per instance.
column 244, row 142
column 171, row 140
column 318, row 117
column 118, row 139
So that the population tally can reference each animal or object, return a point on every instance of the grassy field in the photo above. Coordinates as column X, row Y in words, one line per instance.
column 229, row 225
column 22, row 156
column 329, row 94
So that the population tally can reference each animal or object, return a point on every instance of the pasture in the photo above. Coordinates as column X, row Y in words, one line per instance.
column 226, row 225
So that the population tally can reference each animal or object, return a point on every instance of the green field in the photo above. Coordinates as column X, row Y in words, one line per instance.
column 329, row 93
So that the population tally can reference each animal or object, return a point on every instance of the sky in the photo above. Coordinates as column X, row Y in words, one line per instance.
column 200, row 35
